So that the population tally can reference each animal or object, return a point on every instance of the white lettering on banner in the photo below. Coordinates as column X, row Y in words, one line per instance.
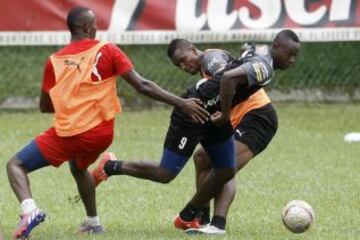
column 163, row 37
column 122, row 12
column 297, row 12
column 218, row 19
column 185, row 18
column 340, row 10
column 270, row 13
column 220, row 16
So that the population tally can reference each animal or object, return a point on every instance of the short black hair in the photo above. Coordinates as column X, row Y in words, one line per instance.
column 76, row 17
column 287, row 34
column 177, row 43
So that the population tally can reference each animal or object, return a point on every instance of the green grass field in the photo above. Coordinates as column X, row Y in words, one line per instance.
column 307, row 159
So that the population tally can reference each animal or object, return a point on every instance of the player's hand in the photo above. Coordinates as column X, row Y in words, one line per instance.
column 219, row 119
column 193, row 108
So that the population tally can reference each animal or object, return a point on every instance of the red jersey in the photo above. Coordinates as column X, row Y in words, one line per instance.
column 84, row 147
column 110, row 61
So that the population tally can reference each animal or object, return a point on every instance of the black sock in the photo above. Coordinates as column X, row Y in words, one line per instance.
column 219, row 222
column 205, row 216
column 113, row 167
column 189, row 213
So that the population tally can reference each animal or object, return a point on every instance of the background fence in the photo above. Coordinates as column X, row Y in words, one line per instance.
column 324, row 66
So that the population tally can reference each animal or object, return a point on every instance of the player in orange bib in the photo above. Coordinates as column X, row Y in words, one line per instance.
column 79, row 87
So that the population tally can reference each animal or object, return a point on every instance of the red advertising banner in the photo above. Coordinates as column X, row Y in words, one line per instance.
column 43, row 22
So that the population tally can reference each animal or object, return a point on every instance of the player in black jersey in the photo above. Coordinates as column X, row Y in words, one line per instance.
column 254, row 71
column 217, row 139
column 254, row 121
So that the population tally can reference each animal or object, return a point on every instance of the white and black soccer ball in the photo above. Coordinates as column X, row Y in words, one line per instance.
column 298, row 216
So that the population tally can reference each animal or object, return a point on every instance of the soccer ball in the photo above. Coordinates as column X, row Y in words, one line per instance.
column 298, row 216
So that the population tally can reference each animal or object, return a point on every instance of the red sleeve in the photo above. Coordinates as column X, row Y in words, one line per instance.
column 49, row 77
column 122, row 63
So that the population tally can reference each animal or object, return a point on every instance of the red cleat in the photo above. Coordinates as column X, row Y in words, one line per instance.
column 181, row 224
column 98, row 173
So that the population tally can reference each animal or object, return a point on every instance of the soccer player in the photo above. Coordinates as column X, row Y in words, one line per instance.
column 235, row 83
column 280, row 55
column 79, row 86
column 254, row 121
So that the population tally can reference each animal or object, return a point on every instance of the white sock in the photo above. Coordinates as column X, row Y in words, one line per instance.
column 93, row 221
column 27, row 206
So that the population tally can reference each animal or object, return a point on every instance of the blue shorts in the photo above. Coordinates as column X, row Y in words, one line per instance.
column 31, row 157
column 172, row 161
column 222, row 155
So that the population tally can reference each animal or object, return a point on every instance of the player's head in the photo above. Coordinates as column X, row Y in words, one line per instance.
column 285, row 49
column 185, row 55
column 81, row 21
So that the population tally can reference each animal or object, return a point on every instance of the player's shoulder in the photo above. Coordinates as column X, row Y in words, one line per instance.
column 212, row 56
column 214, row 52
column 109, row 46
column 111, row 49
column 259, row 53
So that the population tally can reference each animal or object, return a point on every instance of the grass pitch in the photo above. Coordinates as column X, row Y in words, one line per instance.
column 307, row 159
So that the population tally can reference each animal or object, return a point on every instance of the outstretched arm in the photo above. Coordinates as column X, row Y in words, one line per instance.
column 191, row 107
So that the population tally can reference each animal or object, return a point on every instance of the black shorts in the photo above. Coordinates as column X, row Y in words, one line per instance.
column 182, row 138
column 257, row 128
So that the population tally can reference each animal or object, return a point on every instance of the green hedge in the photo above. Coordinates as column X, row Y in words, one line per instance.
column 319, row 65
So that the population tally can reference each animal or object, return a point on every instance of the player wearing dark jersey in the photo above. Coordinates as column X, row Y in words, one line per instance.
column 235, row 83
column 255, row 71
column 254, row 121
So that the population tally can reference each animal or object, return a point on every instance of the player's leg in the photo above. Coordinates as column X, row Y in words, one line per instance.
column 203, row 166
column 252, row 135
column 223, row 159
column 179, row 145
column 86, row 188
column 224, row 199
column 27, row 160
column 164, row 172
column 85, row 149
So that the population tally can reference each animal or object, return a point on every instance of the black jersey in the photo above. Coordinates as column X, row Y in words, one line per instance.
column 214, row 61
column 256, row 62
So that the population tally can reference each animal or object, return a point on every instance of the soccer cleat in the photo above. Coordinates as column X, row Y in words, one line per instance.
column 98, row 173
column 87, row 228
column 207, row 229
column 28, row 222
column 181, row 224
column 203, row 221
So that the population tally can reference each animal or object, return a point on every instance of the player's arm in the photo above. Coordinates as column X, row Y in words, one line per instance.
column 191, row 107
column 46, row 105
column 228, row 84
column 251, row 73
